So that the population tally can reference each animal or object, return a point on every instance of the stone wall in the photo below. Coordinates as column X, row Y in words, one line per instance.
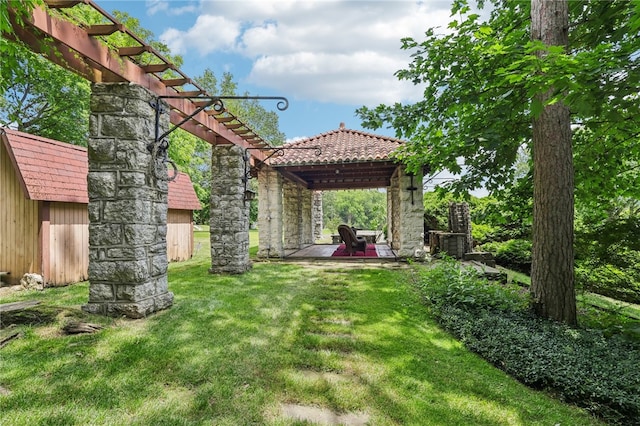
column 270, row 212
column 127, row 204
column 229, row 222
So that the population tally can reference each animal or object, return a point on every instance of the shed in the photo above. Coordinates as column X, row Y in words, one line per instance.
column 43, row 210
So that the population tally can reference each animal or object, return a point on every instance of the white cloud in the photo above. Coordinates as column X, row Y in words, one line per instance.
column 208, row 34
column 157, row 6
column 332, row 51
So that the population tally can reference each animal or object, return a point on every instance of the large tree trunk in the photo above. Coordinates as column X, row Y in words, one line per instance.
column 552, row 273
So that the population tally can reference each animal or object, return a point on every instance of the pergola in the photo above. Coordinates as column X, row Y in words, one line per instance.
column 134, row 88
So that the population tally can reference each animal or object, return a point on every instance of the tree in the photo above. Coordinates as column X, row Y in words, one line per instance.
column 44, row 99
column 8, row 48
column 552, row 276
column 481, row 81
column 365, row 209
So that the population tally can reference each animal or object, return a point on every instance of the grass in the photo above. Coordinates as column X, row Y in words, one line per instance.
column 232, row 349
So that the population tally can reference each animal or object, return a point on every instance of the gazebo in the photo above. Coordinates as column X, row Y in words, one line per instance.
column 291, row 184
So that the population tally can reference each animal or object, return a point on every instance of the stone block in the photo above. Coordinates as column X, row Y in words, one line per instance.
column 127, row 211
column 159, row 265
column 32, row 282
column 126, row 253
column 104, row 235
column 135, row 293
column 101, row 292
column 140, row 234
column 119, row 272
column 132, row 160
column 162, row 284
column 141, row 107
column 133, row 178
column 95, row 210
column 123, row 127
column 101, row 150
column 131, row 310
column 482, row 257
column 160, row 213
column 136, row 192
column 105, row 103
column 101, row 184
column 163, row 301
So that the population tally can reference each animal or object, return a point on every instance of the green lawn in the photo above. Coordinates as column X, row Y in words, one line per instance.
column 233, row 349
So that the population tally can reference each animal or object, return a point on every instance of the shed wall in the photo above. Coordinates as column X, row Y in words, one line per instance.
column 179, row 235
column 18, row 224
column 68, row 243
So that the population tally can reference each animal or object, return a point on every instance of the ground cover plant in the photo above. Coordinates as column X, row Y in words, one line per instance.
column 234, row 350
column 592, row 367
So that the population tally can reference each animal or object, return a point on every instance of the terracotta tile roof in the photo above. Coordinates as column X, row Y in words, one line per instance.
column 56, row 171
column 182, row 195
column 338, row 146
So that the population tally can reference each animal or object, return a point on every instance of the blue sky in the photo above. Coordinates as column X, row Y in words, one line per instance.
column 327, row 57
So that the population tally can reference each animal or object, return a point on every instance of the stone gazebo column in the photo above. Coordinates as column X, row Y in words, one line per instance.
column 318, row 219
column 270, row 213
column 408, row 214
column 229, row 222
column 127, row 205
column 298, row 216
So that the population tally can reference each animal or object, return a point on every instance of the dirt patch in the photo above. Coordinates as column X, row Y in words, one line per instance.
column 323, row 416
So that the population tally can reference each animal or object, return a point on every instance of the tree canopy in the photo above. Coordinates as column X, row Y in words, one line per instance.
column 479, row 78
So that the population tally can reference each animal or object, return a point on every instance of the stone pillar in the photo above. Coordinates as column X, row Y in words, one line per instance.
column 460, row 222
column 127, row 205
column 318, row 218
column 229, row 221
column 306, row 217
column 393, row 213
column 270, row 209
column 291, row 215
column 408, row 223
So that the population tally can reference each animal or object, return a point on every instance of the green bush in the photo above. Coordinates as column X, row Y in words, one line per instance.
column 609, row 280
column 482, row 233
column 512, row 254
column 581, row 366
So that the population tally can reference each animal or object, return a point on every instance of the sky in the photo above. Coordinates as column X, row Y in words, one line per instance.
column 327, row 57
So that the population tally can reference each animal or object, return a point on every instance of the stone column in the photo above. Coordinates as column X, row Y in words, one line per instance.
column 291, row 215
column 318, row 216
column 269, row 213
column 408, row 232
column 229, row 222
column 393, row 212
column 127, row 204
column 460, row 222
column 306, row 217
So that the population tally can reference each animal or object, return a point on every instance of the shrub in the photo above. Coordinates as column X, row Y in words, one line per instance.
column 513, row 254
column 609, row 280
column 581, row 366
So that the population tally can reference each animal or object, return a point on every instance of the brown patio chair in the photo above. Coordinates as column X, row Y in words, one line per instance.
column 352, row 242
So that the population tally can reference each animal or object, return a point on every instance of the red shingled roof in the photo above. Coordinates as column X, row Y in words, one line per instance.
column 55, row 171
column 338, row 146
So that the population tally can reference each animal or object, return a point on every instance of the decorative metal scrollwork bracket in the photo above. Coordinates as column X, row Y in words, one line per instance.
column 277, row 150
column 160, row 144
